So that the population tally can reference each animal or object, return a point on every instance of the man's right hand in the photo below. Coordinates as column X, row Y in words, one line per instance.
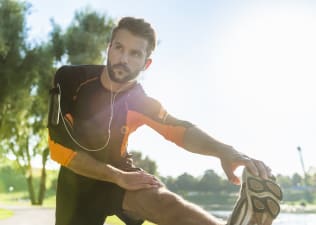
column 133, row 181
column 86, row 165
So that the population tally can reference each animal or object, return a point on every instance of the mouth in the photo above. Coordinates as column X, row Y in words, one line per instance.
column 121, row 68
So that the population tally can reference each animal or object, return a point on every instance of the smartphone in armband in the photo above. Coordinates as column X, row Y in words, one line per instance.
column 54, row 107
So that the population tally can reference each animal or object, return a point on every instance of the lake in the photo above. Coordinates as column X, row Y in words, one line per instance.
column 295, row 219
column 284, row 218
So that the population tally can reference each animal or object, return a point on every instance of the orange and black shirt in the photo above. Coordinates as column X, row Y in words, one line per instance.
column 87, row 108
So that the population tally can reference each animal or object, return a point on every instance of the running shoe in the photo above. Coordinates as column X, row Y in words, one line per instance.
column 258, row 199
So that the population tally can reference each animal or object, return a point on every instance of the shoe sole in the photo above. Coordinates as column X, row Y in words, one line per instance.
column 265, row 195
column 257, row 195
column 242, row 213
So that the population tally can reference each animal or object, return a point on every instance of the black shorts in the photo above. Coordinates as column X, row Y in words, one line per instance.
column 84, row 201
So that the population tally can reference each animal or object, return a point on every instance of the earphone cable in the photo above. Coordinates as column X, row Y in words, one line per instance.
column 112, row 100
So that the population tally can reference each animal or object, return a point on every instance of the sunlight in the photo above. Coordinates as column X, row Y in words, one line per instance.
column 265, row 68
column 271, row 53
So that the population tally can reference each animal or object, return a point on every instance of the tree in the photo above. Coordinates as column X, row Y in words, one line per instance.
column 297, row 180
column 210, row 182
column 25, row 136
column 186, row 182
column 21, row 65
column 85, row 40
column 284, row 181
column 170, row 182
column 15, row 54
column 145, row 163
column 26, row 72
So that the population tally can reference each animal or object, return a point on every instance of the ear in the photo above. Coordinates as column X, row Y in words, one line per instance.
column 147, row 63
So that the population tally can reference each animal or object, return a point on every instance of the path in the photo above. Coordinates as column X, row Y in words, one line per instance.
column 29, row 215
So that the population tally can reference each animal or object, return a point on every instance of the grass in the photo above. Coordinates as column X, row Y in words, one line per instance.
column 14, row 198
column 113, row 220
column 21, row 199
column 4, row 214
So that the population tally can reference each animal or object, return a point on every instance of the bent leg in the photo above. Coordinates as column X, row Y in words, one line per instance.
column 164, row 207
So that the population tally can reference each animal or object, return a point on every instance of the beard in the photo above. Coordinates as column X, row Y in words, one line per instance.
column 130, row 75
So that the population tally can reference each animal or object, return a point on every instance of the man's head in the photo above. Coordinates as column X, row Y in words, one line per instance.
column 138, row 27
column 132, row 42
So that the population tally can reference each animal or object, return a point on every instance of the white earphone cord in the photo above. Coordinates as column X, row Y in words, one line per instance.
column 112, row 99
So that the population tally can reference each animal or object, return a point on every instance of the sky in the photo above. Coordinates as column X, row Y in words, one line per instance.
column 242, row 71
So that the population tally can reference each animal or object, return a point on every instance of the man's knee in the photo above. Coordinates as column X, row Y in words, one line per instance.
column 152, row 203
column 163, row 207
column 169, row 200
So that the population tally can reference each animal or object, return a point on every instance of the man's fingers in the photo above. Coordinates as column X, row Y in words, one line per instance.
column 258, row 168
column 152, row 180
column 236, row 159
column 145, row 180
column 231, row 176
column 262, row 168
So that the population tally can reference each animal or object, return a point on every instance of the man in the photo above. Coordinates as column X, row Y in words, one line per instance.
column 100, row 107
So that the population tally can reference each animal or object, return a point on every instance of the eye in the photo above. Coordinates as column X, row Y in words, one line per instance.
column 117, row 47
column 137, row 54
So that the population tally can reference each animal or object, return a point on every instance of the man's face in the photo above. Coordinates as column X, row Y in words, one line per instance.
column 127, row 56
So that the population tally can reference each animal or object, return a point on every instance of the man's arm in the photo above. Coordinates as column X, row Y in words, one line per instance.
column 197, row 141
column 85, row 165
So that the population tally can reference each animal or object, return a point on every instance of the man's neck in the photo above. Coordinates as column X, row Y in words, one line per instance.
column 114, row 86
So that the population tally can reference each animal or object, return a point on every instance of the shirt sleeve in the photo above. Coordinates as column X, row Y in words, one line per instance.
column 149, row 111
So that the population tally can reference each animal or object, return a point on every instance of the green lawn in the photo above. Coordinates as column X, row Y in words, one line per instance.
column 5, row 214
column 113, row 220
column 21, row 198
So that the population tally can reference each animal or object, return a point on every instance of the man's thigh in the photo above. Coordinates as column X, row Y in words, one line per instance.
column 83, row 201
column 151, row 204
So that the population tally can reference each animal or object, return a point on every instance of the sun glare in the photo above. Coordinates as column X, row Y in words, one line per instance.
column 266, row 63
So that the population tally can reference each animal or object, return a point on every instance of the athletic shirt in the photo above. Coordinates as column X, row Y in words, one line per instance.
column 87, row 108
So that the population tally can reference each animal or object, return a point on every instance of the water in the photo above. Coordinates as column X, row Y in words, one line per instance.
column 284, row 218
column 295, row 219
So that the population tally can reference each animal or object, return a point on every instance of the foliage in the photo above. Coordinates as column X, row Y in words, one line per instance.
column 13, row 50
column 209, row 182
column 85, row 40
column 212, row 189
column 145, row 163
column 11, row 180
column 24, row 67
column 26, row 72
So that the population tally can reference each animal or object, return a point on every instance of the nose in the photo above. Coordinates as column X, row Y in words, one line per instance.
column 124, row 58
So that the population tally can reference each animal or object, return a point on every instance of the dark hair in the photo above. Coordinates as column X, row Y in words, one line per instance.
column 138, row 27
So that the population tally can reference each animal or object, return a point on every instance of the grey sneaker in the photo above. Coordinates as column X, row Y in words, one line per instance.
column 258, row 199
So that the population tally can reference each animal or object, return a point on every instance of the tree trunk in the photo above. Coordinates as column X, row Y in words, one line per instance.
column 42, row 187
column 29, row 175
column 30, row 186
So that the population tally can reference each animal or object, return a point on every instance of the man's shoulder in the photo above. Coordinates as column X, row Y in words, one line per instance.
column 80, row 69
column 71, row 76
column 139, row 99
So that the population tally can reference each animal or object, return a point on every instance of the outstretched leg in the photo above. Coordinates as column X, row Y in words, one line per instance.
column 164, row 207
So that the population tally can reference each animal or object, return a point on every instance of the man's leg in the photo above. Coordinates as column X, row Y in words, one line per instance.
column 163, row 207
column 84, row 201
column 77, row 201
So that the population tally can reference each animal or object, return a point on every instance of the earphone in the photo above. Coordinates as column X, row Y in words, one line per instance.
column 112, row 100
